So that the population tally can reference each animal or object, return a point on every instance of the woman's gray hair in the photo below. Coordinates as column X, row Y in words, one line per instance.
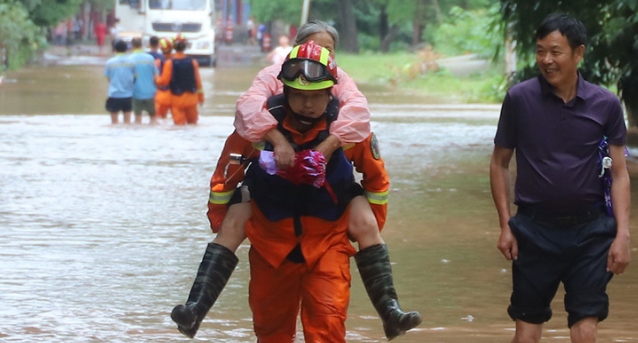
column 316, row 26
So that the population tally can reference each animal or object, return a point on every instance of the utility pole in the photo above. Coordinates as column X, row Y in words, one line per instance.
column 304, row 12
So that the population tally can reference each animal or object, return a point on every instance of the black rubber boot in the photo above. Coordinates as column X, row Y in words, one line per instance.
column 374, row 266
column 217, row 265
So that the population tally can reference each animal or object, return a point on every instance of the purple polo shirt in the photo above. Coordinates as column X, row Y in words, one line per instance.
column 557, row 144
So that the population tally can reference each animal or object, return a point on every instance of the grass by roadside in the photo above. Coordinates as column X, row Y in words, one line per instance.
column 404, row 71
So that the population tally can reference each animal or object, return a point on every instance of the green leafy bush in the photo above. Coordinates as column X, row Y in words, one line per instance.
column 471, row 31
column 18, row 34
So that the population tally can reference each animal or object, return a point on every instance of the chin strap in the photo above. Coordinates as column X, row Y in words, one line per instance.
column 313, row 121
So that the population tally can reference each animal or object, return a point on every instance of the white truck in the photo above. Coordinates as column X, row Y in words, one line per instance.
column 165, row 19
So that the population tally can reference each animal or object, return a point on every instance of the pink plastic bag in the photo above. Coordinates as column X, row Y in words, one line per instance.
column 309, row 167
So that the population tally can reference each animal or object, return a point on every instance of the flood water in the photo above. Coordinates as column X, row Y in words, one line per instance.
column 102, row 227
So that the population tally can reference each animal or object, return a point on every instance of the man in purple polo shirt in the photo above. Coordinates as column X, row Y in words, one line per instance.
column 561, row 232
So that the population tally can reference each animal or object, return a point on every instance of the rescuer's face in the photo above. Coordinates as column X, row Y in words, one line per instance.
column 310, row 104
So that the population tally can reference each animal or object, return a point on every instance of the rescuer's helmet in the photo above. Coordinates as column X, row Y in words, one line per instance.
column 165, row 45
column 179, row 38
column 309, row 67
column 179, row 42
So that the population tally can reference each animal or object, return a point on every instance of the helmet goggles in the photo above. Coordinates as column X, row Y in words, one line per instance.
column 312, row 70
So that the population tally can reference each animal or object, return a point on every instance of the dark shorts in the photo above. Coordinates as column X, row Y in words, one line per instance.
column 549, row 255
column 119, row 104
column 140, row 105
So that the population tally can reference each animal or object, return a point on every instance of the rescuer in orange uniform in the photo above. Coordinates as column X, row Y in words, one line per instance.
column 181, row 74
column 163, row 95
column 299, row 232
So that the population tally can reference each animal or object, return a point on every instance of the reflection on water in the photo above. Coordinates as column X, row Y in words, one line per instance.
column 103, row 226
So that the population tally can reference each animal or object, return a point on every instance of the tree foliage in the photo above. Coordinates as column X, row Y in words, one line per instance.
column 267, row 10
column 612, row 51
column 100, row 5
column 48, row 13
column 375, row 20
column 19, row 35
column 24, row 24
column 469, row 31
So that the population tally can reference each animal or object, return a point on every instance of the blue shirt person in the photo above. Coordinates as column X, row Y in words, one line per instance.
column 154, row 48
column 120, row 73
column 145, row 89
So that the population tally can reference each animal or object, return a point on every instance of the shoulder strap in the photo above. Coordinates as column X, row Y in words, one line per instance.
column 275, row 105
column 332, row 111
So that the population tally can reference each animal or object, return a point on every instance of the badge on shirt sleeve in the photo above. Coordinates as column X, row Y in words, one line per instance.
column 374, row 146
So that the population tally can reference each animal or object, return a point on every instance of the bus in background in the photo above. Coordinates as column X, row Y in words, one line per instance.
column 165, row 19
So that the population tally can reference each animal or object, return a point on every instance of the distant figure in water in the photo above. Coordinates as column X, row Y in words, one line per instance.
column 100, row 35
column 120, row 72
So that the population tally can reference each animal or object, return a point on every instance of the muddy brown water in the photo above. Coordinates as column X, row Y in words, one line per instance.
column 102, row 227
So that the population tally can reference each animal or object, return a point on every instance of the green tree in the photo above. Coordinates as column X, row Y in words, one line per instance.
column 101, row 5
column 48, row 13
column 24, row 23
column 373, row 24
column 469, row 31
column 423, row 17
column 338, row 12
column 18, row 34
column 267, row 10
column 348, row 26
column 611, row 56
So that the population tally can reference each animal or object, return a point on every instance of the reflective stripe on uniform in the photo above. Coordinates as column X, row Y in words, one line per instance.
column 377, row 198
column 220, row 198
column 348, row 146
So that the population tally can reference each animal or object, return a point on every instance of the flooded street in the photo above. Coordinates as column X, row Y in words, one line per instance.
column 102, row 227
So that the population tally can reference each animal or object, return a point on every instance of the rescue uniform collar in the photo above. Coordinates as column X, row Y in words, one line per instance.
column 277, row 107
column 300, row 117
column 304, row 137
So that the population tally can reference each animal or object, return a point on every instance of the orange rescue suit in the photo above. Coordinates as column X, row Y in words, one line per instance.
column 364, row 155
column 183, row 106
column 163, row 95
column 322, row 284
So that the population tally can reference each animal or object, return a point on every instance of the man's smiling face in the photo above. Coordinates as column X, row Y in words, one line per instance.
column 555, row 58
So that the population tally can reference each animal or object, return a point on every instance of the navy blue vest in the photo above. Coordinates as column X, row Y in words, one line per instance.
column 183, row 79
column 278, row 198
